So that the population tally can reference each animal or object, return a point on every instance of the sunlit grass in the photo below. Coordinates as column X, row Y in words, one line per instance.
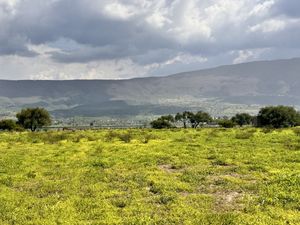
column 205, row 176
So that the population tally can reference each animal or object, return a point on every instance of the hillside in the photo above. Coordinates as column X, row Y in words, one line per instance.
column 221, row 90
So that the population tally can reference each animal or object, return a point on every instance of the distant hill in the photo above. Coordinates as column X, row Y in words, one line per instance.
column 221, row 90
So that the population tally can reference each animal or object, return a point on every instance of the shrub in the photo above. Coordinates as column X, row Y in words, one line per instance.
column 110, row 136
column 126, row 137
column 160, row 124
column 145, row 137
column 226, row 123
column 9, row 125
column 245, row 134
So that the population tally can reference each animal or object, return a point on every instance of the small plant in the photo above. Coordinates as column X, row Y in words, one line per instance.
column 120, row 203
column 126, row 137
column 166, row 199
column 146, row 138
column 245, row 135
column 110, row 136
column 267, row 130
column 297, row 131
column 220, row 162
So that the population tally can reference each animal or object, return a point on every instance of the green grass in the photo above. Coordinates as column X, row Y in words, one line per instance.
column 205, row 176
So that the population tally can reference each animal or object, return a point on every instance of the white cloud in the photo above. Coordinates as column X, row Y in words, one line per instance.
column 262, row 9
column 248, row 55
column 44, row 68
column 66, row 39
column 272, row 25
column 119, row 11
column 158, row 20
column 186, row 59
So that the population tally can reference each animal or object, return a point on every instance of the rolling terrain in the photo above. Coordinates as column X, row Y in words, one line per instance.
column 221, row 91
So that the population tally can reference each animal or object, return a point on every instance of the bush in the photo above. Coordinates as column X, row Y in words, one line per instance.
column 9, row 125
column 146, row 137
column 226, row 123
column 126, row 137
column 160, row 124
column 110, row 136
column 245, row 134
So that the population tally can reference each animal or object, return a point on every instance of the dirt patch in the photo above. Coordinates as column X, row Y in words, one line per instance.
column 242, row 177
column 169, row 168
column 228, row 200
column 184, row 194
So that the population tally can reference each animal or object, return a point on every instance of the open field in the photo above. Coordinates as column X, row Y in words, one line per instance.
column 205, row 176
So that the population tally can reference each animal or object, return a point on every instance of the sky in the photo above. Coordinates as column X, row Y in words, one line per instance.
column 120, row 39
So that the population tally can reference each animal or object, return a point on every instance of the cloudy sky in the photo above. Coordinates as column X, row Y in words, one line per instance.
column 113, row 39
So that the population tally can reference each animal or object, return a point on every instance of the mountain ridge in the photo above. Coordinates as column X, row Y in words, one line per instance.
column 224, row 89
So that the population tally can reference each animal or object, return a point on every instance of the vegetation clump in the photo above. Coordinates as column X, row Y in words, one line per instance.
column 9, row 125
column 126, row 137
column 226, row 123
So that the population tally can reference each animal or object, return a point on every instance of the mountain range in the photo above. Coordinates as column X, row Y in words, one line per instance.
column 223, row 90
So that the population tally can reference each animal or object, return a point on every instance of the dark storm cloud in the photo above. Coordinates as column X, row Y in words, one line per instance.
column 98, row 36
column 15, row 45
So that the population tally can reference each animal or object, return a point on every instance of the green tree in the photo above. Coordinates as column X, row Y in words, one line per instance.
column 278, row 117
column 199, row 118
column 168, row 118
column 163, row 122
column 33, row 118
column 9, row 125
column 242, row 119
column 183, row 117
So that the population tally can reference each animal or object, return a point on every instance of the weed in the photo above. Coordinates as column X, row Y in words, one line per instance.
column 125, row 137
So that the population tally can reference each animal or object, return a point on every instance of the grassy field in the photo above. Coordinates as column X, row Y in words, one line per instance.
column 205, row 176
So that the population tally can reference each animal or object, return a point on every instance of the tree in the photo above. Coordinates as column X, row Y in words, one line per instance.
column 168, row 118
column 226, row 123
column 163, row 122
column 33, row 118
column 183, row 117
column 199, row 118
column 278, row 117
column 242, row 119
column 9, row 125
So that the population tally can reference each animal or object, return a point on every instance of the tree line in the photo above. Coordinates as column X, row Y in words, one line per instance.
column 270, row 116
